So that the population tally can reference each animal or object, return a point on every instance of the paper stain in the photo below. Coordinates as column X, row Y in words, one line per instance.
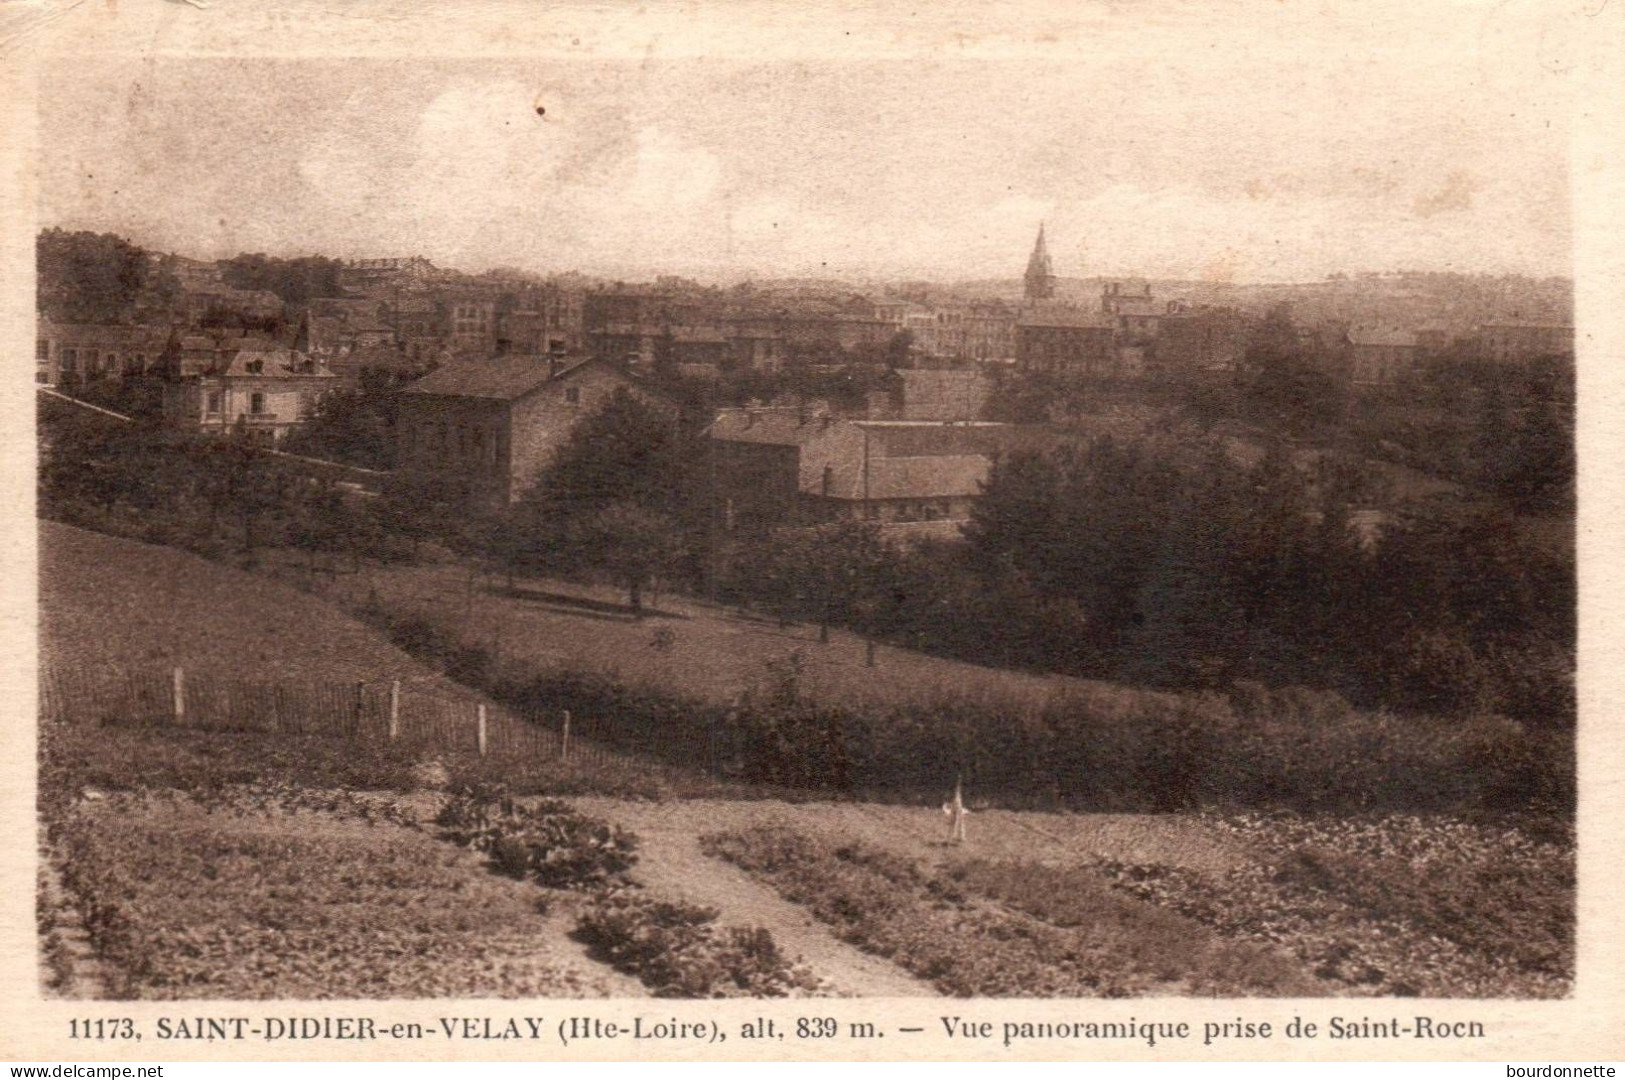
column 1222, row 268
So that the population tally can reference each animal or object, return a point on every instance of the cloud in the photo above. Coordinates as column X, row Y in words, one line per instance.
column 1455, row 194
column 669, row 175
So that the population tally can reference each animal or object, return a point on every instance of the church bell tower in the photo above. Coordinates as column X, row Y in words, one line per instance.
column 1040, row 274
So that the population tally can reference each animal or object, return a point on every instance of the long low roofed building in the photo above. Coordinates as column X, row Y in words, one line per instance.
column 788, row 466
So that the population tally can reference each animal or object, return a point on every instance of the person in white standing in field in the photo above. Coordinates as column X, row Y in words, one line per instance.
column 955, row 812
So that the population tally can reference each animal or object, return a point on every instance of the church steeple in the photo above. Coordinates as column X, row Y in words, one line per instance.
column 1040, row 274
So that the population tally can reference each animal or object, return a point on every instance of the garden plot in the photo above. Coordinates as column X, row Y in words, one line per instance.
column 189, row 900
column 1392, row 905
column 1005, row 930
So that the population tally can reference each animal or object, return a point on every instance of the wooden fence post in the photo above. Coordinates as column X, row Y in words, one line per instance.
column 395, row 709
column 564, row 738
column 481, row 708
column 179, row 696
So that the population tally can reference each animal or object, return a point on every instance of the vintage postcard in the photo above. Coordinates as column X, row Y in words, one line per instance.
column 808, row 531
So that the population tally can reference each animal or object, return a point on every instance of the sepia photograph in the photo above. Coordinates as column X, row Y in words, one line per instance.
column 1090, row 517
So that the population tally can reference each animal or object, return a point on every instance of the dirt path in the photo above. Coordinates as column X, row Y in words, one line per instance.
column 670, row 860
column 671, row 863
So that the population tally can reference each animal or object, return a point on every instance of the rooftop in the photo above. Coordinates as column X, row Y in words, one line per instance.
column 937, row 476
column 259, row 358
column 502, row 378
column 772, row 425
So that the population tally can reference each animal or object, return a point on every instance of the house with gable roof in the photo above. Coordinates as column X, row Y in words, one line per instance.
column 496, row 423
column 251, row 385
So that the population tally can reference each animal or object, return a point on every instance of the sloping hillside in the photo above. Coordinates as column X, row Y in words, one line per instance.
column 114, row 603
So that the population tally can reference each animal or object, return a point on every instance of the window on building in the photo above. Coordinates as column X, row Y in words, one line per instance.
column 216, row 402
column 572, row 394
column 70, row 359
column 256, row 403
column 42, row 350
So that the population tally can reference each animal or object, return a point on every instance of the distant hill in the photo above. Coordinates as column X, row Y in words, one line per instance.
column 1454, row 302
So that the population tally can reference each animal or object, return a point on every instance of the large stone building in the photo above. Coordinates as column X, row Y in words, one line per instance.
column 496, row 423
column 1066, row 341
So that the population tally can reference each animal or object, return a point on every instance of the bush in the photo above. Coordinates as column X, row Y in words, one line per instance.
column 547, row 841
column 678, row 952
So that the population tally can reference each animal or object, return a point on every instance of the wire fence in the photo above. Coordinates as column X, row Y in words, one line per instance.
column 357, row 711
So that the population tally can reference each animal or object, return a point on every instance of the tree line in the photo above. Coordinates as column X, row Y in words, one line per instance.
column 1175, row 559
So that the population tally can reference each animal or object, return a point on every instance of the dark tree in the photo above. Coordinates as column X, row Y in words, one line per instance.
column 296, row 281
column 88, row 277
column 350, row 426
column 628, row 543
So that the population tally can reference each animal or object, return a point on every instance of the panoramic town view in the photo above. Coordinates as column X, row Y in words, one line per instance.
column 504, row 536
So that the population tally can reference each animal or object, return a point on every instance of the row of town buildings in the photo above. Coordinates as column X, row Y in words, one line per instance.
column 495, row 372
column 407, row 316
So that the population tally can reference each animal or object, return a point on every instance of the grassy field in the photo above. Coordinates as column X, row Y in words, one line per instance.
column 713, row 653
column 111, row 603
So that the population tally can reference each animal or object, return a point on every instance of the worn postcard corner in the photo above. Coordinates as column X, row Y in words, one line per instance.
column 788, row 532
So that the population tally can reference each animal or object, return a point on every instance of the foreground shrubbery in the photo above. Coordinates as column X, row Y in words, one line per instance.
column 677, row 950
column 1391, row 906
column 674, row 948
column 1092, row 747
column 546, row 841
column 977, row 931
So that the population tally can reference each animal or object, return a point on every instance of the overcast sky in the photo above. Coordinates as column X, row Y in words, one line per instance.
column 1283, row 146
